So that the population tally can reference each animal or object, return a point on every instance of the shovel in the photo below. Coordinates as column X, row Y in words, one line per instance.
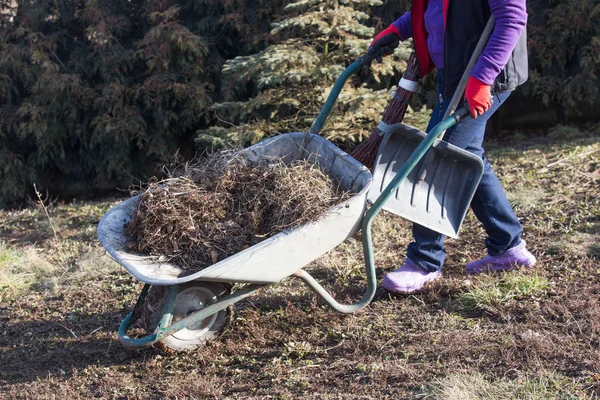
column 440, row 181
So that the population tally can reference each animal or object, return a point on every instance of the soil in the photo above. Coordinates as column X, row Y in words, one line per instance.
column 61, row 342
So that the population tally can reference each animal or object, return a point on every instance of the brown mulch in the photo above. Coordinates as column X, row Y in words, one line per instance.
column 209, row 210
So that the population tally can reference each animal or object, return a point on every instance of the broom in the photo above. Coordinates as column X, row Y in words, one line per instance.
column 394, row 112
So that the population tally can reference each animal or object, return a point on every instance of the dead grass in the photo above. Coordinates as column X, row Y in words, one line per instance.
column 474, row 386
column 526, row 198
column 21, row 269
column 31, row 258
column 539, row 339
column 219, row 205
column 577, row 244
column 33, row 268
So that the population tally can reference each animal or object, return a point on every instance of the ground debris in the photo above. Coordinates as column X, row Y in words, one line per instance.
column 206, row 211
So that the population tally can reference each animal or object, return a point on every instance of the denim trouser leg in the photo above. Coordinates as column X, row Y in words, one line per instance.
column 489, row 202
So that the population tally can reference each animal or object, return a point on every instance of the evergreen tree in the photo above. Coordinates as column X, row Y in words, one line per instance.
column 95, row 94
column 282, row 88
column 564, row 45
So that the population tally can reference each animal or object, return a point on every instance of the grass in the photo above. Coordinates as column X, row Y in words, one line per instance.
column 578, row 244
column 518, row 335
column 8, row 255
column 40, row 261
column 566, row 132
column 12, row 282
column 22, row 269
column 493, row 291
column 526, row 198
column 475, row 386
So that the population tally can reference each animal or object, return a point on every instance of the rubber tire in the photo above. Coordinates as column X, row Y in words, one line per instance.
column 176, row 343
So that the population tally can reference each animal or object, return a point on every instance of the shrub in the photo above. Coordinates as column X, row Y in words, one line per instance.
column 94, row 95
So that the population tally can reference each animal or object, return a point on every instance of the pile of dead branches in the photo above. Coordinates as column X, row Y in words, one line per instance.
column 209, row 210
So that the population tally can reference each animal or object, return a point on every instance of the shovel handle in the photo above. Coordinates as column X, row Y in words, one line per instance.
column 391, row 188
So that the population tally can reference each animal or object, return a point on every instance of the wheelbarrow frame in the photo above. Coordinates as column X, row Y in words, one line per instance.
column 166, row 327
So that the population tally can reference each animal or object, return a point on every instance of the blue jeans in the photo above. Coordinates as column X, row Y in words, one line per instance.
column 489, row 203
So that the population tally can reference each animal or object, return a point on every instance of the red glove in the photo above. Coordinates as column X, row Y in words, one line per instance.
column 386, row 41
column 478, row 96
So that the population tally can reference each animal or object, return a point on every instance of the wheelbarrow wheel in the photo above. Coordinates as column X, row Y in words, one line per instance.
column 193, row 296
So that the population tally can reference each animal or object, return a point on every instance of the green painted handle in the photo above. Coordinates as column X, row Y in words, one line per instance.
column 333, row 95
column 408, row 166
column 363, row 61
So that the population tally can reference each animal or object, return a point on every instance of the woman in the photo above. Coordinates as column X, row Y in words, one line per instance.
column 445, row 33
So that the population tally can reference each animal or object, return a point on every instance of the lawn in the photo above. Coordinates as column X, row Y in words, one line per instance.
column 528, row 334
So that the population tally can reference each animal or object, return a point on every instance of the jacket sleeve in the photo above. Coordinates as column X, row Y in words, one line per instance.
column 511, row 19
column 404, row 25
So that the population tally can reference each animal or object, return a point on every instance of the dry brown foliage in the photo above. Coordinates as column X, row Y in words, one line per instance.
column 209, row 210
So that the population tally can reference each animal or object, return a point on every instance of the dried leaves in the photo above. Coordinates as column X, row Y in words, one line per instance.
column 210, row 210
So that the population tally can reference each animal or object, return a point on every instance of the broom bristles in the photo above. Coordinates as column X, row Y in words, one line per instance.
column 366, row 152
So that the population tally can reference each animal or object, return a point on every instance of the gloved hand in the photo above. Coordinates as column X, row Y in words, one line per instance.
column 478, row 96
column 386, row 42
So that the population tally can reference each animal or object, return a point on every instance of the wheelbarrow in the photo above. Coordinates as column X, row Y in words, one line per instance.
column 194, row 306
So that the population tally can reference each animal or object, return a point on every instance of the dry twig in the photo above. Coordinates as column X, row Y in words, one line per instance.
column 43, row 206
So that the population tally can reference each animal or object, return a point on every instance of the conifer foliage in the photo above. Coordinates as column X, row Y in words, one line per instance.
column 95, row 94
column 564, row 47
column 282, row 88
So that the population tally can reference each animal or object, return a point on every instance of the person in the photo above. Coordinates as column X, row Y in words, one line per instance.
column 445, row 33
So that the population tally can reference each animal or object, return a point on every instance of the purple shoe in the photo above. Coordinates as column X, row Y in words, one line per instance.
column 517, row 256
column 409, row 278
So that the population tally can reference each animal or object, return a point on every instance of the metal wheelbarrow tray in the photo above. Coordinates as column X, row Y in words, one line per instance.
column 194, row 306
column 272, row 259
column 267, row 262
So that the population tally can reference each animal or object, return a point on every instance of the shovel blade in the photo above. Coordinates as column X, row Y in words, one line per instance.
column 438, row 191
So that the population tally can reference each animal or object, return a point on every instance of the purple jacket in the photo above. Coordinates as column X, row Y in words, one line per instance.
column 510, row 16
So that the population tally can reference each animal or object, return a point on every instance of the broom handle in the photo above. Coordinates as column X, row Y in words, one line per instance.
column 460, row 89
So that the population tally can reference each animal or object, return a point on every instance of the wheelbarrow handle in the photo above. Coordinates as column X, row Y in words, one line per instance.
column 461, row 113
column 363, row 61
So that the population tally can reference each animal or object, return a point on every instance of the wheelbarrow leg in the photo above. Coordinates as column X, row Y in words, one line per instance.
column 167, row 315
column 128, row 321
